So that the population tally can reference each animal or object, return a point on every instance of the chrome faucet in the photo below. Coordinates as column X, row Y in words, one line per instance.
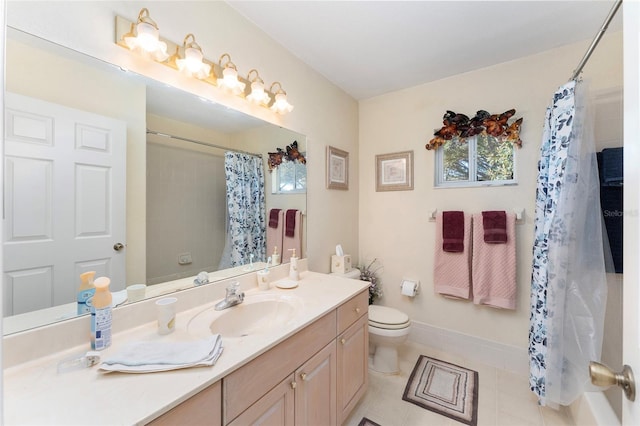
column 232, row 298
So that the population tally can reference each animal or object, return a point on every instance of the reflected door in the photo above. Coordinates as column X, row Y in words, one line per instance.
column 64, row 202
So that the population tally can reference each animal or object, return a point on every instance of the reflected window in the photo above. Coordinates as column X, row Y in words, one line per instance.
column 480, row 160
column 289, row 177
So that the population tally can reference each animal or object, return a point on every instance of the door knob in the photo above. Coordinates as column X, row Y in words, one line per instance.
column 118, row 246
column 603, row 376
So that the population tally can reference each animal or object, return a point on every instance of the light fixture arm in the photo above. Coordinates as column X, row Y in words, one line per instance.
column 192, row 44
column 143, row 16
column 228, row 63
column 280, row 89
column 256, row 78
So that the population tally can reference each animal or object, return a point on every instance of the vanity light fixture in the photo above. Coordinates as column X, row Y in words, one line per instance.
column 192, row 64
column 280, row 103
column 229, row 80
column 257, row 96
column 144, row 37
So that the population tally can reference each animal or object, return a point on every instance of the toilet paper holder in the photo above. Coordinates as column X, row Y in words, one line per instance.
column 409, row 287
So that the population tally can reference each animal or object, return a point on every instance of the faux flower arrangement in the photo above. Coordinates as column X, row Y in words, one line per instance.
column 369, row 273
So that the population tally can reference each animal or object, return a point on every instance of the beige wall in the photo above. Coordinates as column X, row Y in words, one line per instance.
column 322, row 111
column 394, row 226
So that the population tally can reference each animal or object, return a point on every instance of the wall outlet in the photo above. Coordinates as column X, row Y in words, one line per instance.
column 184, row 259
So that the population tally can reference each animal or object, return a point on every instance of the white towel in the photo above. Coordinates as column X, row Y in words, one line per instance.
column 147, row 357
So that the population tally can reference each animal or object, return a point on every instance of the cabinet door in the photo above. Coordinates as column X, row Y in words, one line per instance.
column 353, row 352
column 275, row 408
column 315, row 390
column 205, row 408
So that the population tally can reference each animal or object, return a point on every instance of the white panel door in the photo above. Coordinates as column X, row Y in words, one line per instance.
column 64, row 202
column 631, row 299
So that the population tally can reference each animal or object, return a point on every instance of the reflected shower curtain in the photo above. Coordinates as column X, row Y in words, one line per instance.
column 246, row 212
column 568, row 283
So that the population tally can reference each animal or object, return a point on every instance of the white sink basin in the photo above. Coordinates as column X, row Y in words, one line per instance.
column 259, row 313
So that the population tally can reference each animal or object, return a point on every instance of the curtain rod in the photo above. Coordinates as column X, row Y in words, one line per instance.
column 166, row 135
column 596, row 39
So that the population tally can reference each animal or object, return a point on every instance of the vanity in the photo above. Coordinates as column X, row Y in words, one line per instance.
column 311, row 369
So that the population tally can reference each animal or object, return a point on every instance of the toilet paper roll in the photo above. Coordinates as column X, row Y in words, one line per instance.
column 409, row 288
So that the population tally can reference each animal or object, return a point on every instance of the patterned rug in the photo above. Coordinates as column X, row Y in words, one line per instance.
column 444, row 388
column 366, row 422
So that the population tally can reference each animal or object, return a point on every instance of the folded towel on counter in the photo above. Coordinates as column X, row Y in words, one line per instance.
column 274, row 218
column 451, row 270
column 290, row 226
column 493, row 267
column 148, row 357
column 453, row 231
column 494, row 224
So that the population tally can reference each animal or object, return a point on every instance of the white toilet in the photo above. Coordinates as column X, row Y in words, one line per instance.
column 388, row 329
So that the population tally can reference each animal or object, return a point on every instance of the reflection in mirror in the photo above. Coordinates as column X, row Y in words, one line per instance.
column 109, row 171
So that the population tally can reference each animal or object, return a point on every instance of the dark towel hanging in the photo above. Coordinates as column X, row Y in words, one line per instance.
column 494, row 224
column 273, row 218
column 453, row 231
column 290, row 223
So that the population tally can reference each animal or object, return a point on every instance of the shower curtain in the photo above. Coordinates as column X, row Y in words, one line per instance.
column 568, row 283
column 246, row 212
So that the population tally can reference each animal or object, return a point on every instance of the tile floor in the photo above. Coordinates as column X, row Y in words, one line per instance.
column 504, row 398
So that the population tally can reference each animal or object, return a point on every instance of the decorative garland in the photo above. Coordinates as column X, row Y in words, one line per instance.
column 291, row 154
column 462, row 127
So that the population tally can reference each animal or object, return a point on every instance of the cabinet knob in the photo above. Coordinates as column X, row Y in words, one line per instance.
column 343, row 340
column 357, row 310
column 293, row 385
column 303, row 376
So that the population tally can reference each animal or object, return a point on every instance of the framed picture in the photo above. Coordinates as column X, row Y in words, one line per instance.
column 337, row 168
column 394, row 172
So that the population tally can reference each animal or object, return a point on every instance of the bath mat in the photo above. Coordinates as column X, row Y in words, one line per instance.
column 366, row 422
column 444, row 388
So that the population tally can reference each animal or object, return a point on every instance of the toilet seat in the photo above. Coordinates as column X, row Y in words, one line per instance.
column 386, row 318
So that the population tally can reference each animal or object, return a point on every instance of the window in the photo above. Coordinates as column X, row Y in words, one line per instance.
column 289, row 177
column 480, row 160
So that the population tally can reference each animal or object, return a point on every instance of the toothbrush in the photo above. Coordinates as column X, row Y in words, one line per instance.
column 266, row 267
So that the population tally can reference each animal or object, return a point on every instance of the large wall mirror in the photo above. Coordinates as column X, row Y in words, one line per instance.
column 140, row 175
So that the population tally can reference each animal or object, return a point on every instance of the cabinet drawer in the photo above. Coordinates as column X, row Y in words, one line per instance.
column 204, row 408
column 247, row 384
column 352, row 309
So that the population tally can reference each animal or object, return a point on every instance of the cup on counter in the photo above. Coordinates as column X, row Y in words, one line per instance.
column 136, row 292
column 263, row 279
column 166, row 315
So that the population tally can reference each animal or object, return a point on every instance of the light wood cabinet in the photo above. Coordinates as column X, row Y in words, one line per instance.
column 315, row 377
column 315, row 396
column 352, row 366
column 205, row 408
column 275, row 408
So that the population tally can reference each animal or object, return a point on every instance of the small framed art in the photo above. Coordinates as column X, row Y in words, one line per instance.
column 394, row 172
column 337, row 168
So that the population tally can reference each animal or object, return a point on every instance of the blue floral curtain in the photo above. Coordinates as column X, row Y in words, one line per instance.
column 568, row 283
column 246, row 212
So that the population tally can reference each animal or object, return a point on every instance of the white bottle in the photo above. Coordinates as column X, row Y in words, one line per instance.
column 293, row 267
column 101, row 315
column 275, row 257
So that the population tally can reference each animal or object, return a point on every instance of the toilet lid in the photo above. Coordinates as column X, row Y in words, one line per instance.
column 388, row 318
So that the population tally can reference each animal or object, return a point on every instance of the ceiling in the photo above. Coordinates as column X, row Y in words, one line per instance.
column 369, row 48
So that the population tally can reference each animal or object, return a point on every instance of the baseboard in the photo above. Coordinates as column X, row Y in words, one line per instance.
column 499, row 355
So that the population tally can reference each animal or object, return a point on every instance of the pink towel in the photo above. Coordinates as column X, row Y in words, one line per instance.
column 494, row 267
column 294, row 242
column 451, row 270
column 274, row 235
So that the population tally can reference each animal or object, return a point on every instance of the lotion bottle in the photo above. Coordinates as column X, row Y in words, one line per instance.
column 293, row 267
column 275, row 257
column 101, row 315
column 85, row 292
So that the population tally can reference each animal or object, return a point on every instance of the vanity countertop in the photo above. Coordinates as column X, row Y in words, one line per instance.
column 35, row 393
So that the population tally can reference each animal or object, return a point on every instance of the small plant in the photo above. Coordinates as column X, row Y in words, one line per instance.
column 369, row 273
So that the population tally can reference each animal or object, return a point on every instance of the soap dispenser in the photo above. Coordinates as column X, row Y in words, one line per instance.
column 293, row 267
column 275, row 257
